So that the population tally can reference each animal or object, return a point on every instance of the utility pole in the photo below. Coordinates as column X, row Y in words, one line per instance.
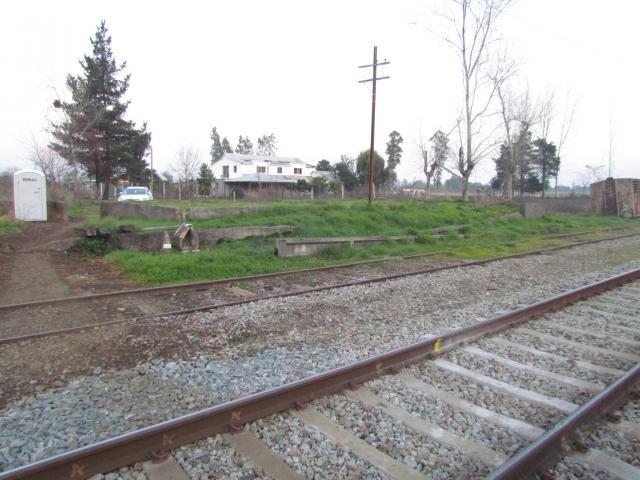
column 151, row 180
column 374, row 79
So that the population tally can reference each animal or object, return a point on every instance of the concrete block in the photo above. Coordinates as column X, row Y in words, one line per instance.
column 293, row 247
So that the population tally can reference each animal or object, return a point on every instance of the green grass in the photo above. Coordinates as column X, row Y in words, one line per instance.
column 8, row 226
column 88, row 209
column 489, row 234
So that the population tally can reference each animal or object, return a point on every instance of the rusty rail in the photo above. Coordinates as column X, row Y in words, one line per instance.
column 215, row 306
column 264, row 276
column 541, row 453
column 139, row 445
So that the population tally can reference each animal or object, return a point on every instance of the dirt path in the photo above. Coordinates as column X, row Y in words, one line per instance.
column 28, row 277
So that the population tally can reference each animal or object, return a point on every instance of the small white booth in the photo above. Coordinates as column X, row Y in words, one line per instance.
column 30, row 196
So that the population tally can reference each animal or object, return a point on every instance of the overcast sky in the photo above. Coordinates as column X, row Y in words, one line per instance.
column 290, row 68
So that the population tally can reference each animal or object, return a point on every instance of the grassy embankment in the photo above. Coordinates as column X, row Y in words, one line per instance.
column 8, row 226
column 490, row 233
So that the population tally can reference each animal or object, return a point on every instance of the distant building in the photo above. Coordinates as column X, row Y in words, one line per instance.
column 252, row 173
column 617, row 196
column 236, row 167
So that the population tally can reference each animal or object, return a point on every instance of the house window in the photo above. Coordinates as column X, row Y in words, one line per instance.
column 262, row 169
column 235, row 168
column 279, row 169
column 225, row 171
column 297, row 171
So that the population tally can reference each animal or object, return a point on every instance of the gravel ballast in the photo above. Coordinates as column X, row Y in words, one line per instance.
column 255, row 346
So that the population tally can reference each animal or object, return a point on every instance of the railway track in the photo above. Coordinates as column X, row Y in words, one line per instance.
column 504, row 398
column 217, row 294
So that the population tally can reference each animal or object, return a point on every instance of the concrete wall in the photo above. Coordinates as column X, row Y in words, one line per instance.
column 201, row 213
column 163, row 212
column 539, row 207
column 139, row 210
column 152, row 240
column 57, row 211
column 619, row 196
column 293, row 247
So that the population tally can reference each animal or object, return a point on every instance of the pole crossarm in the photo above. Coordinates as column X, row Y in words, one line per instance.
column 374, row 64
column 372, row 79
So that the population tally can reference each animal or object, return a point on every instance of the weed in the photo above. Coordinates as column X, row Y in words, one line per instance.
column 92, row 247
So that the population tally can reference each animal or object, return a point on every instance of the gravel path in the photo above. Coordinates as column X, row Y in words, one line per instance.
column 267, row 343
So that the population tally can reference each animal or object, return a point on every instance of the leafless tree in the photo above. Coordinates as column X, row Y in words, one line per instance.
column 429, row 167
column 473, row 23
column 547, row 113
column 568, row 114
column 185, row 166
column 55, row 168
column 501, row 75
column 592, row 174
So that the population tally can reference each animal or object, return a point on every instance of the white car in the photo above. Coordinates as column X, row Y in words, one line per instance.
column 135, row 193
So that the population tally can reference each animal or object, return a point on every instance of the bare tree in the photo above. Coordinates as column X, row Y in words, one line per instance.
column 55, row 168
column 473, row 24
column 186, row 165
column 503, row 71
column 547, row 113
column 568, row 115
column 592, row 174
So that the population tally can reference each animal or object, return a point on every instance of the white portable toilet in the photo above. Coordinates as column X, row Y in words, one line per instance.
column 30, row 195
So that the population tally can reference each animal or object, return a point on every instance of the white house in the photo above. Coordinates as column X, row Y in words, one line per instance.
column 240, row 168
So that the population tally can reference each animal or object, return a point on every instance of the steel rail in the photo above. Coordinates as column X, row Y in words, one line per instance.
column 537, row 456
column 216, row 306
column 141, row 444
column 263, row 276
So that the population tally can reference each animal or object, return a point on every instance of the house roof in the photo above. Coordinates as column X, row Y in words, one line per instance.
column 265, row 178
column 330, row 176
column 251, row 159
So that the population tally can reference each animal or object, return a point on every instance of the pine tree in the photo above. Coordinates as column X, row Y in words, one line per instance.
column 205, row 180
column 546, row 161
column 226, row 146
column 217, row 151
column 93, row 132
